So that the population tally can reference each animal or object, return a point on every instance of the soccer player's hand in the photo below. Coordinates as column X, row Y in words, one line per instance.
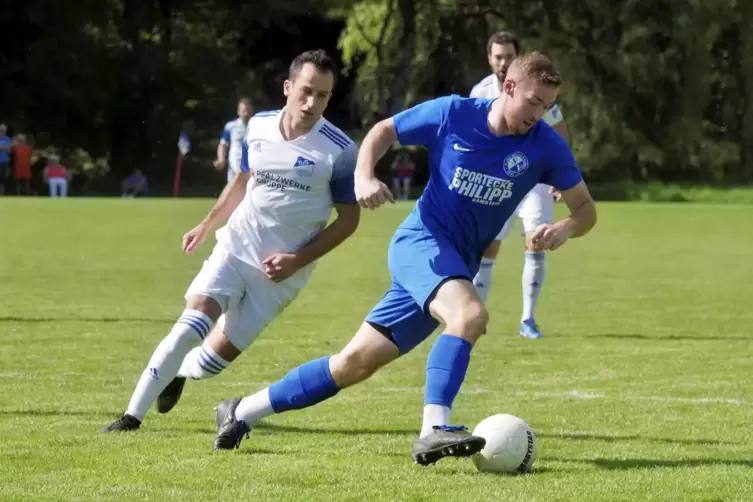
column 372, row 193
column 550, row 236
column 195, row 238
column 556, row 193
column 219, row 164
column 279, row 267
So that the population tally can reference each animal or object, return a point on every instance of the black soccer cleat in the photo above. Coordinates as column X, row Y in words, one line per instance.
column 123, row 424
column 230, row 431
column 169, row 397
column 446, row 441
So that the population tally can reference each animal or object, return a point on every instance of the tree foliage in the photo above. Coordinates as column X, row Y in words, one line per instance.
column 654, row 91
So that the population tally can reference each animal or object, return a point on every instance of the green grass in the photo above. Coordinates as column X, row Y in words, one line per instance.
column 640, row 390
column 671, row 192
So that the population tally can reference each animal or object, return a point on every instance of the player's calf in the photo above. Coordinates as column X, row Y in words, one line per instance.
column 368, row 351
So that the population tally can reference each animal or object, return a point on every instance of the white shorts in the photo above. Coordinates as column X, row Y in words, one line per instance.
column 537, row 207
column 248, row 298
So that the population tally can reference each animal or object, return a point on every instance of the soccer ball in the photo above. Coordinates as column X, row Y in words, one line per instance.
column 511, row 445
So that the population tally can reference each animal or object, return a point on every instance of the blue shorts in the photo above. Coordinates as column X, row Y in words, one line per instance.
column 419, row 262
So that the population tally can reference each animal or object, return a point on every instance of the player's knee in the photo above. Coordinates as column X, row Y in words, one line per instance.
column 468, row 321
column 208, row 305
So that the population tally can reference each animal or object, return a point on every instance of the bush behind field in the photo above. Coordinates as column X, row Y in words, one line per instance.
column 671, row 192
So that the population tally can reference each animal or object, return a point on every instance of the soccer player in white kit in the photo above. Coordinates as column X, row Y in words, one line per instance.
column 229, row 149
column 535, row 209
column 296, row 167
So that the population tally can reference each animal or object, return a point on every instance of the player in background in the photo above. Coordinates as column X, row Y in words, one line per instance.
column 537, row 206
column 229, row 149
column 484, row 156
column 403, row 170
column 296, row 167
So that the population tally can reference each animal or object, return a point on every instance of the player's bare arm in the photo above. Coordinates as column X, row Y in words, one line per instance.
column 279, row 267
column 231, row 196
column 370, row 192
column 581, row 220
column 222, row 150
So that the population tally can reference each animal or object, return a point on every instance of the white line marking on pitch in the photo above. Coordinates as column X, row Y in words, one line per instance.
column 576, row 394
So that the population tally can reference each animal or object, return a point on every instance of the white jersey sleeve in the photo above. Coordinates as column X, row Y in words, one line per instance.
column 486, row 89
column 553, row 115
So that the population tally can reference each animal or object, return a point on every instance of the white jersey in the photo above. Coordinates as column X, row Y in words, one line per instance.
column 233, row 135
column 489, row 89
column 294, row 184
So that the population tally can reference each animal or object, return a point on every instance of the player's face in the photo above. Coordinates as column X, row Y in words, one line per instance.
column 308, row 94
column 527, row 102
column 500, row 59
column 244, row 112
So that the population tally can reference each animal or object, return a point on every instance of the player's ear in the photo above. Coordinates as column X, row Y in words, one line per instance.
column 286, row 87
column 509, row 86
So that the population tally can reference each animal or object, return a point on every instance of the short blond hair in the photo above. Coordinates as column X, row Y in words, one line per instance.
column 537, row 66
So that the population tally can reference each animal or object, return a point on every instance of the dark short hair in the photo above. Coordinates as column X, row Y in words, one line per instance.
column 502, row 38
column 318, row 58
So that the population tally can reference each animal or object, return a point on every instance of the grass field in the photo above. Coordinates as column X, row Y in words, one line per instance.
column 641, row 389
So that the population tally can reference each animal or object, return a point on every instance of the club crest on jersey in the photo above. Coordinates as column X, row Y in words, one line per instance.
column 304, row 166
column 481, row 188
column 515, row 164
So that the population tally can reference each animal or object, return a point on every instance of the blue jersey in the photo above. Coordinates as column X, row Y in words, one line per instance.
column 477, row 179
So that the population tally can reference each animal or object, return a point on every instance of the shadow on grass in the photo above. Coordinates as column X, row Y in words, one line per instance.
column 343, row 432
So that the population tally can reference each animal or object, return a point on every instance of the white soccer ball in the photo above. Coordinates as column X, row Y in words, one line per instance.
column 511, row 446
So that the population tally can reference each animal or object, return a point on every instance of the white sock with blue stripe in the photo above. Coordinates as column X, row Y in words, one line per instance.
column 202, row 362
column 483, row 279
column 192, row 327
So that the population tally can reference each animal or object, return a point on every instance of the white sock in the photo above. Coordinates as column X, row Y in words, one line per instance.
column 434, row 414
column 192, row 327
column 251, row 409
column 483, row 279
column 533, row 279
column 202, row 362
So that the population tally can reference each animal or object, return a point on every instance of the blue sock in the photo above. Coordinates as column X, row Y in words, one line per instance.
column 304, row 386
column 445, row 369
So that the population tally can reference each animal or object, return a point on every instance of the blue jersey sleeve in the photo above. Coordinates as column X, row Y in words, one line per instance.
column 225, row 138
column 343, row 169
column 421, row 124
column 563, row 172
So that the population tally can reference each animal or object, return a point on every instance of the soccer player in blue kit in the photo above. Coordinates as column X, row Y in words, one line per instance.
column 485, row 155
